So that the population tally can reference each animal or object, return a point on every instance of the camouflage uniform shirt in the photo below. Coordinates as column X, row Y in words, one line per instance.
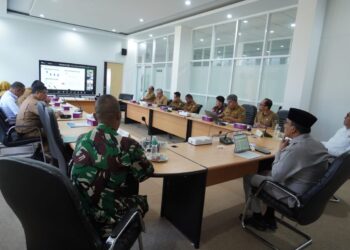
column 190, row 107
column 269, row 120
column 177, row 104
column 234, row 115
column 102, row 160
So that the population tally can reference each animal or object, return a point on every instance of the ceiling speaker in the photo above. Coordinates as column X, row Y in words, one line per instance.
column 124, row 52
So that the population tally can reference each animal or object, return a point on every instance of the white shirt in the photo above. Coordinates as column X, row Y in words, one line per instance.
column 8, row 103
column 339, row 143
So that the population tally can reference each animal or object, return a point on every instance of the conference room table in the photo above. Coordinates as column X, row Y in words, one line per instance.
column 189, row 170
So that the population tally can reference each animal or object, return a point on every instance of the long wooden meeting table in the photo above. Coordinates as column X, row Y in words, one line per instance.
column 187, row 173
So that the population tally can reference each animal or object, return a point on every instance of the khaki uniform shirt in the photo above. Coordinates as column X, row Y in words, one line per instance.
column 177, row 104
column 269, row 120
column 234, row 115
column 149, row 97
column 190, row 107
column 163, row 101
column 28, row 115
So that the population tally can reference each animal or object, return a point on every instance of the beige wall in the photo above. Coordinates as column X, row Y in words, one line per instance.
column 116, row 78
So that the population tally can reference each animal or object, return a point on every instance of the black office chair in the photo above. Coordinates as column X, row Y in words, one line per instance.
column 250, row 113
column 10, row 138
column 59, row 156
column 309, row 206
column 126, row 97
column 50, row 210
column 169, row 101
column 199, row 107
column 282, row 116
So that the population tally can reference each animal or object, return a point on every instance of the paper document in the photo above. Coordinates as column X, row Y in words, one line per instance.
column 248, row 155
column 77, row 124
column 69, row 139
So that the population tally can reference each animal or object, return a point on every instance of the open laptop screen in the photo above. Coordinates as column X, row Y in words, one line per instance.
column 241, row 143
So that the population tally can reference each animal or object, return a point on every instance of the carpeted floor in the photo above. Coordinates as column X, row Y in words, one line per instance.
column 221, row 228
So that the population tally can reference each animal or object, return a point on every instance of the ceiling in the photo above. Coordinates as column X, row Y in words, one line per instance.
column 123, row 17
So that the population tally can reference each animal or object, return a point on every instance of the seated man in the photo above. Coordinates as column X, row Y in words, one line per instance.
column 161, row 99
column 233, row 112
column 28, row 114
column 340, row 142
column 8, row 101
column 4, row 86
column 190, row 105
column 298, row 165
column 220, row 105
column 265, row 117
column 102, row 160
column 177, row 103
column 150, row 96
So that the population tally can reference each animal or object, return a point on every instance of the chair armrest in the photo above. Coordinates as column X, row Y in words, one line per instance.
column 10, row 130
column 278, row 186
column 122, row 226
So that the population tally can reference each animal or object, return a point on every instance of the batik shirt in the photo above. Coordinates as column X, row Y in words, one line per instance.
column 190, row 107
column 177, row 104
column 102, row 160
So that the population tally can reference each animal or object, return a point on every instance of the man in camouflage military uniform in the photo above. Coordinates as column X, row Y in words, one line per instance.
column 190, row 105
column 150, row 96
column 102, row 162
column 161, row 99
column 233, row 112
column 177, row 103
column 265, row 117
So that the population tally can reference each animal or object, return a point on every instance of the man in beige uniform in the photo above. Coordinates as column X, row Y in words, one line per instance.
column 177, row 103
column 150, row 96
column 161, row 99
column 28, row 114
column 233, row 112
column 190, row 105
column 265, row 117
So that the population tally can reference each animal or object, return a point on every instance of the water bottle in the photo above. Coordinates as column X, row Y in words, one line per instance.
column 154, row 148
column 277, row 132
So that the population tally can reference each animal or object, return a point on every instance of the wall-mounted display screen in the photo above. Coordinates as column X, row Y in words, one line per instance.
column 68, row 78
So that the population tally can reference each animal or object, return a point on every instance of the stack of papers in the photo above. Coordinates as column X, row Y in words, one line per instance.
column 78, row 124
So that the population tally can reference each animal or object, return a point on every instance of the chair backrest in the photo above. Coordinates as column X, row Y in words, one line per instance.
column 4, row 125
column 199, row 107
column 250, row 113
column 47, row 205
column 315, row 200
column 53, row 135
column 124, row 96
column 169, row 101
column 282, row 116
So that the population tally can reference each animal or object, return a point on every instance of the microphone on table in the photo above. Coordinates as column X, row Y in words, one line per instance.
column 267, row 135
column 226, row 140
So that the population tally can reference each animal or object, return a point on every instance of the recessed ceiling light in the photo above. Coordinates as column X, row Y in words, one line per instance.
column 150, row 35
column 114, row 30
column 245, row 21
column 282, row 46
column 218, row 39
column 267, row 51
column 219, row 51
column 164, row 38
column 257, row 49
column 292, row 25
column 188, row 2
column 239, row 33
column 229, row 16
column 141, row 20
column 74, row 29
column 272, row 31
column 201, row 40
column 42, row 15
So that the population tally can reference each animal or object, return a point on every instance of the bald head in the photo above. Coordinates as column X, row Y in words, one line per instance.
column 108, row 111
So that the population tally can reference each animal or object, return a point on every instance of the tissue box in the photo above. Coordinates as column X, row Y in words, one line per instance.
column 77, row 114
column 66, row 107
column 91, row 122
column 207, row 118
column 164, row 108
column 240, row 125
column 55, row 99
column 57, row 104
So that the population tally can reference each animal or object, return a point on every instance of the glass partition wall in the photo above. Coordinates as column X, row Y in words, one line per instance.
column 154, row 64
column 247, row 57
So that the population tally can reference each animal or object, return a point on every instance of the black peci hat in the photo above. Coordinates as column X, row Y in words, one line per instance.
column 301, row 117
